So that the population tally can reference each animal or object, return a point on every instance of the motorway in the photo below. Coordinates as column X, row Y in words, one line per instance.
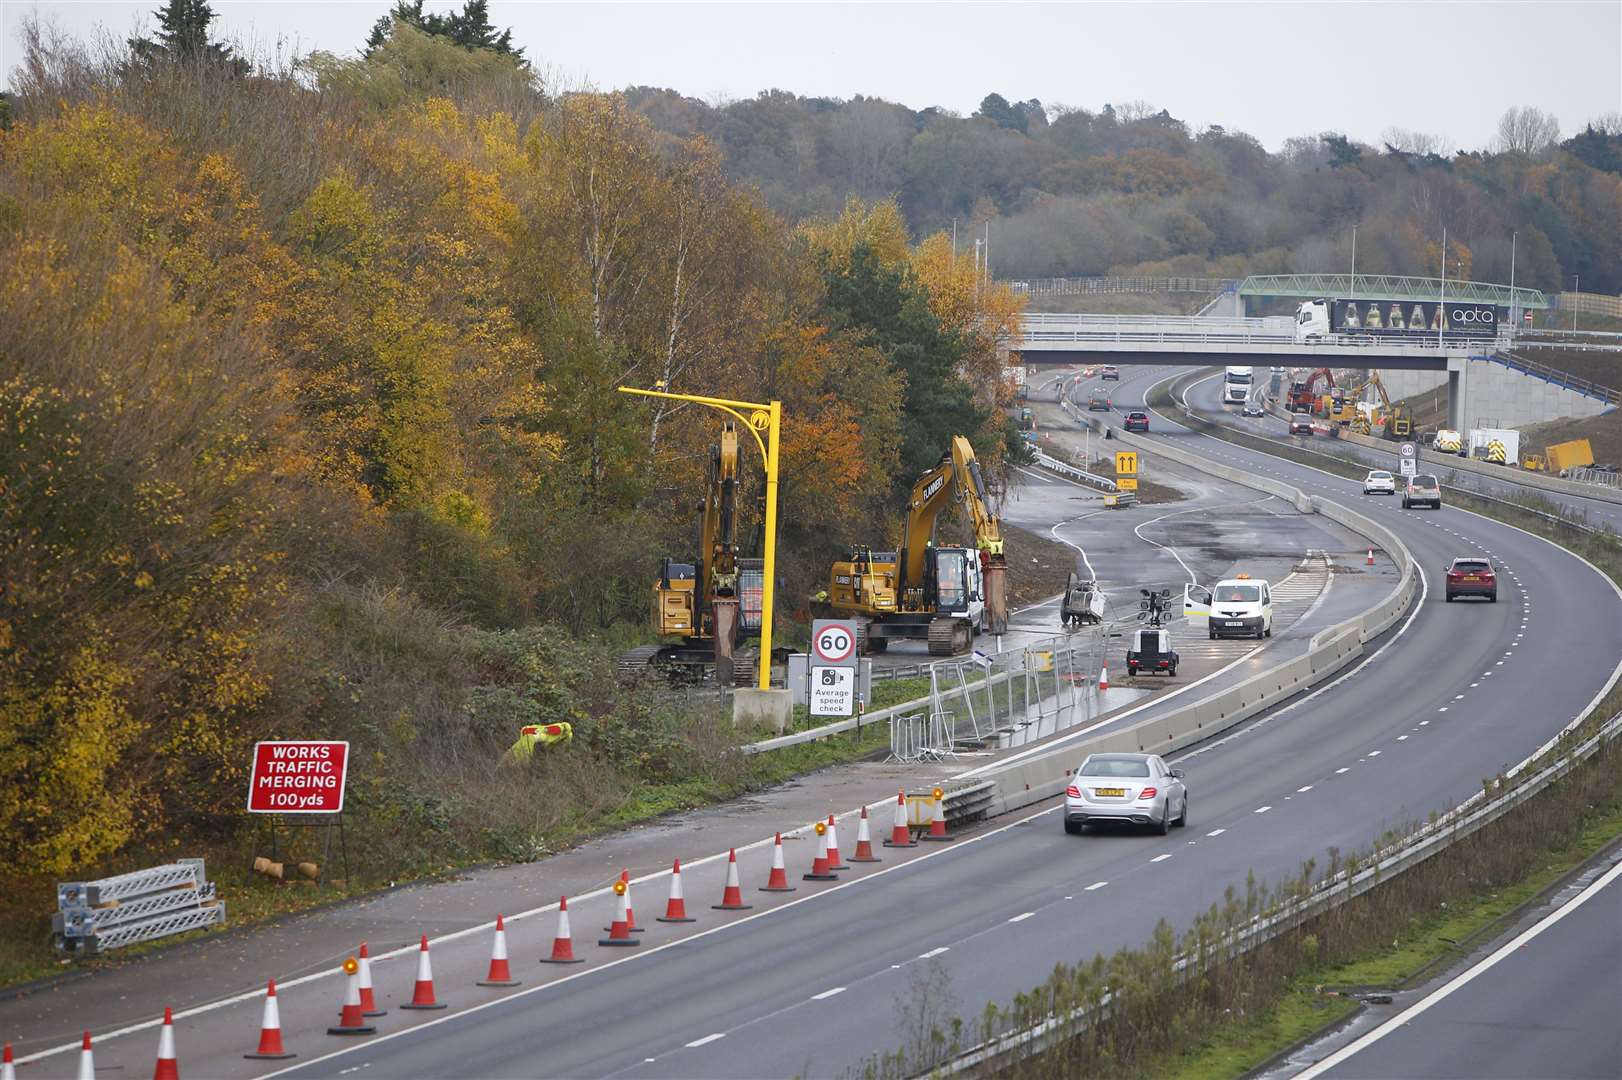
column 1594, row 511
column 1460, row 692
column 1544, row 1003
column 816, row 985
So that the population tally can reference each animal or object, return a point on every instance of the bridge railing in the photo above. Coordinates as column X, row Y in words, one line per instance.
column 1189, row 341
column 1563, row 379
column 1098, row 286
column 1199, row 323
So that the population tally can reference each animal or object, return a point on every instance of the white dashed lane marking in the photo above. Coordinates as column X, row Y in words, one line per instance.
column 1261, row 809
column 707, row 1039
column 826, row 994
column 932, row 953
column 1216, row 832
column 1096, row 885
column 1161, row 858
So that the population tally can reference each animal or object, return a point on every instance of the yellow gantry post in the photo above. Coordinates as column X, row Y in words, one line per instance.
column 756, row 418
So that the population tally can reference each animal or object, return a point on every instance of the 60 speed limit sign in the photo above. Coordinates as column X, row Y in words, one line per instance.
column 833, row 642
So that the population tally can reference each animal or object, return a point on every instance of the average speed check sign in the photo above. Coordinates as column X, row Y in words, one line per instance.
column 833, row 643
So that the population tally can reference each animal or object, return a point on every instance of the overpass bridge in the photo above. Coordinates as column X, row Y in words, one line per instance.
column 1399, row 287
column 1204, row 340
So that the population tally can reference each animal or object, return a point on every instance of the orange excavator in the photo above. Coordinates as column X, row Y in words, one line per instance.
column 1303, row 396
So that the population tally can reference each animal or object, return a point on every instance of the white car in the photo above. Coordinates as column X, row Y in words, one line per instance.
column 1379, row 482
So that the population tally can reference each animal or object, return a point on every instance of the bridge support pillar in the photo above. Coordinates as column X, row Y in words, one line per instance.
column 1458, row 391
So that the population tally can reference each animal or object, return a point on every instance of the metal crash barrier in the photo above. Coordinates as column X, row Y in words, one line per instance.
column 94, row 916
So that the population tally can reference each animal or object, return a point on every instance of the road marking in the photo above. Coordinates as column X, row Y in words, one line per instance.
column 1442, row 709
column 1095, row 885
column 707, row 1039
column 934, row 952
column 1459, row 697
column 1341, row 770
column 1306, row 787
column 826, row 994
column 1422, row 723
column 1261, row 809
column 1407, row 1016
column 1402, row 738
column 1022, row 917
column 1161, row 858
column 1374, row 753
column 1216, row 832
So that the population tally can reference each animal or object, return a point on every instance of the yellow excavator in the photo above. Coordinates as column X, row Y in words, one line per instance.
column 706, row 609
column 943, row 595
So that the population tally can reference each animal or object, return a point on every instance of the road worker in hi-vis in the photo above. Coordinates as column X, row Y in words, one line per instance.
column 533, row 735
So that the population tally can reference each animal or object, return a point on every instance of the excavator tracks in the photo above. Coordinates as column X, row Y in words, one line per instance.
column 948, row 637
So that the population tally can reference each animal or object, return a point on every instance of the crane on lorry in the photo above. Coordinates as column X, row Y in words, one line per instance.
column 1303, row 396
column 706, row 608
column 943, row 595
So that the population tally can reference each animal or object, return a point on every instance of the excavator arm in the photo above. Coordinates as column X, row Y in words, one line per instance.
column 957, row 478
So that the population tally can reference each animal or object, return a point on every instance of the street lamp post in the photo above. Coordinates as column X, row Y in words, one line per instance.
column 755, row 417
column 1514, row 308
column 1576, row 287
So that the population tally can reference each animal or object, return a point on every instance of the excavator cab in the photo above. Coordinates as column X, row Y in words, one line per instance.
column 674, row 598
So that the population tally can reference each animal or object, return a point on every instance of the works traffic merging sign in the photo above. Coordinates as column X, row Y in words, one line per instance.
column 298, row 777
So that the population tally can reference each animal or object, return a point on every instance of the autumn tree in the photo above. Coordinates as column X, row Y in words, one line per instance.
column 469, row 28
column 183, row 37
column 1526, row 130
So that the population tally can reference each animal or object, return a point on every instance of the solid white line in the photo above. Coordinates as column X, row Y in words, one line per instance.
column 707, row 1039
column 934, row 952
column 1161, row 858
column 1096, row 885
column 826, row 994
column 1408, row 1015
column 1023, row 917
column 1054, row 532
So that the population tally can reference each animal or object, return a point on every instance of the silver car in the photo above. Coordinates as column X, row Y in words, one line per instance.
column 1137, row 789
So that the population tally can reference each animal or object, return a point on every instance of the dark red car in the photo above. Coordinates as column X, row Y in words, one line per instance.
column 1472, row 575
column 1137, row 421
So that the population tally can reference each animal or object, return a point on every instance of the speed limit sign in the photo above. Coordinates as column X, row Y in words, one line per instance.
column 833, row 642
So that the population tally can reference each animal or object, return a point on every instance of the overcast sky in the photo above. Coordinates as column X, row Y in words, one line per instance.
column 1274, row 69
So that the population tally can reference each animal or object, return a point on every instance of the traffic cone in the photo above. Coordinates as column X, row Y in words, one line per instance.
column 270, row 1030
column 937, row 820
column 864, row 842
column 8, row 1071
column 168, row 1068
column 500, row 971
column 778, row 880
column 1371, row 556
column 563, row 944
column 834, row 862
column 630, row 911
column 368, row 996
column 819, row 865
column 732, row 895
column 900, row 835
column 620, row 933
column 351, row 1021
column 87, row 1061
column 1103, row 677
column 676, row 906
column 422, row 994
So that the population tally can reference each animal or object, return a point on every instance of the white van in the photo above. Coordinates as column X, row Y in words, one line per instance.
column 1236, row 607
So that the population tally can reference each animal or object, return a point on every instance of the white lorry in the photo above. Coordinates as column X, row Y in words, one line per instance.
column 1501, row 446
column 1236, row 383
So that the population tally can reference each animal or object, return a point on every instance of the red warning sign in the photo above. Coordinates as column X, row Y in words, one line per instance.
column 298, row 777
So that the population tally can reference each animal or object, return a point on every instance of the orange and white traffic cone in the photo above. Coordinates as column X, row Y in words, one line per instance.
column 1103, row 677
column 620, row 933
column 563, row 943
column 630, row 910
column 777, row 881
column 1371, row 556
column 937, row 820
column 819, row 865
column 8, row 1069
column 864, row 842
column 834, row 862
column 500, row 970
column 270, row 1030
column 732, row 895
column 900, row 834
column 351, row 1021
column 676, row 906
column 87, row 1060
column 368, row 995
column 422, row 992
column 168, row 1068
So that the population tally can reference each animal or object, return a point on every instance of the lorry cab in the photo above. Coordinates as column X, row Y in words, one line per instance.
column 1312, row 320
column 1235, row 607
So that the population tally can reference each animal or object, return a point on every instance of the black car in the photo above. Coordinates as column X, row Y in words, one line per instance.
column 1137, row 421
column 1300, row 427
